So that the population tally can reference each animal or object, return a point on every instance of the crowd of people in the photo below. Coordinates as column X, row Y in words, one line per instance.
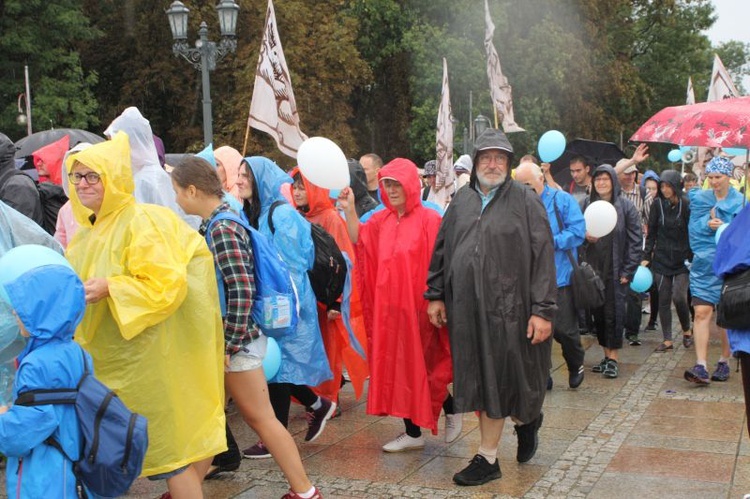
column 468, row 293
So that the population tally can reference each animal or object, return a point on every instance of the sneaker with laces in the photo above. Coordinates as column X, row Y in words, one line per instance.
column 453, row 425
column 316, row 419
column 294, row 495
column 697, row 374
column 599, row 368
column 575, row 377
column 528, row 439
column 687, row 339
column 257, row 451
column 478, row 471
column 403, row 443
column 721, row 373
column 612, row 370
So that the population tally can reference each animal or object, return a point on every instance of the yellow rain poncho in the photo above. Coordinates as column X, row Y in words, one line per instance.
column 157, row 340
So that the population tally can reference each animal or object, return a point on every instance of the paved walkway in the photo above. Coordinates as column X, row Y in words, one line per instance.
column 648, row 433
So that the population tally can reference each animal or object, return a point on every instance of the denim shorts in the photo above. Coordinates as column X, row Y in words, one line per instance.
column 250, row 357
column 168, row 474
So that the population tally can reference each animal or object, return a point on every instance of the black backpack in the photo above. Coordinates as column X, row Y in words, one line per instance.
column 328, row 274
column 51, row 196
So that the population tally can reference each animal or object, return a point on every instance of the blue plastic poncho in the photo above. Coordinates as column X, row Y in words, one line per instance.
column 703, row 282
column 303, row 356
column 49, row 300
column 732, row 256
column 157, row 340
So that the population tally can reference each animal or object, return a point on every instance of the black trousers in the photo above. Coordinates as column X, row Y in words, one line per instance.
column 281, row 397
column 605, row 319
column 633, row 310
column 565, row 329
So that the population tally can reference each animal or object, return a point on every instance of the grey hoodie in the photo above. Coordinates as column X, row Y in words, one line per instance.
column 17, row 190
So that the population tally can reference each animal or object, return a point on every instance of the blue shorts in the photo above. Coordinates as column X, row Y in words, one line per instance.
column 168, row 474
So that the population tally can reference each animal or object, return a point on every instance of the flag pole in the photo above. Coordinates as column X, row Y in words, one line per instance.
column 247, row 135
column 494, row 108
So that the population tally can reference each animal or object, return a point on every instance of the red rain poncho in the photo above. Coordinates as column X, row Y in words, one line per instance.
column 410, row 363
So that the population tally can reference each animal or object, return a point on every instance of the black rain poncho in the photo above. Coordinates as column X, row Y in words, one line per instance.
column 494, row 269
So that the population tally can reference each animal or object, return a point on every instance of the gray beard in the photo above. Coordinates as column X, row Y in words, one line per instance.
column 485, row 184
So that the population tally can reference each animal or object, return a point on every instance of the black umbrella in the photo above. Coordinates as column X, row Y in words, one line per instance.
column 596, row 152
column 27, row 145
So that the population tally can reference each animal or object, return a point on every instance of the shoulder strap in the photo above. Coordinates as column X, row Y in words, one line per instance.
column 274, row 205
column 562, row 226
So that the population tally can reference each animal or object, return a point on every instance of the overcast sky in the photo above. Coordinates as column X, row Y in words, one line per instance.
column 731, row 25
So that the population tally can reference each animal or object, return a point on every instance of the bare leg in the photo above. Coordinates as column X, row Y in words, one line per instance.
column 611, row 353
column 490, row 431
column 187, row 485
column 250, row 393
column 700, row 331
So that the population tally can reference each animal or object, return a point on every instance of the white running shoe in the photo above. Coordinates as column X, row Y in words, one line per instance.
column 453, row 425
column 403, row 443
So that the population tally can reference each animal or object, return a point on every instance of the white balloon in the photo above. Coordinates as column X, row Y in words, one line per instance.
column 601, row 218
column 323, row 163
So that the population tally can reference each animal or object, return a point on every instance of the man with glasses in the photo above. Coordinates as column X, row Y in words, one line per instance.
column 492, row 282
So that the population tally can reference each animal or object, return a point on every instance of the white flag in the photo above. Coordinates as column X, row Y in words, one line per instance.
column 444, row 145
column 499, row 87
column 722, row 86
column 690, row 99
column 273, row 109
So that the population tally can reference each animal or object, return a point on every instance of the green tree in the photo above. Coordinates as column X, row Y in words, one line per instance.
column 44, row 35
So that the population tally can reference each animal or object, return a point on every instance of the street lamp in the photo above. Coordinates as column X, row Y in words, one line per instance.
column 481, row 123
column 206, row 53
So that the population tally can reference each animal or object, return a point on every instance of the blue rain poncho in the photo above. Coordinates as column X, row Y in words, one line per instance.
column 703, row 282
column 50, row 301
column 733, row 256
column 303, row 356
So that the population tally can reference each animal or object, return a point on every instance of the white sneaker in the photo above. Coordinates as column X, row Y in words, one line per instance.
column 403, row 443
column 453, row 425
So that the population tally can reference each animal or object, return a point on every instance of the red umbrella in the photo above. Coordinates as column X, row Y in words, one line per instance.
column 709, row 124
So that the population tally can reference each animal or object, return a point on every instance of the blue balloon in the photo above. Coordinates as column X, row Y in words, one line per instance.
column 21, row 259
column 674, row 155
column 551, row 146
column 721, row 229
column 334, row 193
column 272, row 360
column 735, row 151
column 642, row 280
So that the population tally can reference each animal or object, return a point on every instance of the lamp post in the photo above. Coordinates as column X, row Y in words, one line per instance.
column 481, row 123
column 206, row 53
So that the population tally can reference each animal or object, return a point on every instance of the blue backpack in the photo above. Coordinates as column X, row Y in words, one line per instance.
column 114, row 438
column 275, row 308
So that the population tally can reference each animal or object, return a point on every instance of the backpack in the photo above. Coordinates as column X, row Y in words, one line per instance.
column 328, row 274
column 275, row 309
column 51, row 197
column 114, row 438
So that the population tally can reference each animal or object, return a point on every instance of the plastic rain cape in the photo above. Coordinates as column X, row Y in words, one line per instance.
column 157, row 340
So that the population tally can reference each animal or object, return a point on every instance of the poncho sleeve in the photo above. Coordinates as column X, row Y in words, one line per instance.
column 155, row 282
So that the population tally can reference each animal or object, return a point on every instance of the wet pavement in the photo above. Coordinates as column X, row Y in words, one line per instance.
column 647, row 433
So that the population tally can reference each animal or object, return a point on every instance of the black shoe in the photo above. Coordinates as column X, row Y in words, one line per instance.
column 633, row 339
column 550, row 383
column 528, row 439
column 599, row 368
column 478, row 471
column 575, row 377
column 316, row 419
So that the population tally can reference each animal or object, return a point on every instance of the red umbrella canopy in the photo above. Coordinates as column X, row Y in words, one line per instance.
column 722, row 123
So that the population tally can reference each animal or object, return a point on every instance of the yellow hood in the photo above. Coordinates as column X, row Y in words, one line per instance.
column 111, row 160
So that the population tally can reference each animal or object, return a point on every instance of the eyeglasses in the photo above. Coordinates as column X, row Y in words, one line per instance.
column 486, row 159
column 91, row 178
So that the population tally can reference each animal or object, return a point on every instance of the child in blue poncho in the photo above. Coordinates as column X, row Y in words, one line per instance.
column 48, row 302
